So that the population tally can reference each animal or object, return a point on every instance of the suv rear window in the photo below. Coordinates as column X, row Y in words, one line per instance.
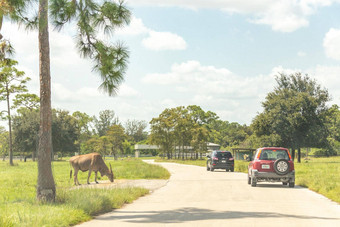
column 223, row 155
column 274, row 155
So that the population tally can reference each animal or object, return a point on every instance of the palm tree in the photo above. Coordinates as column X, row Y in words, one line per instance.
column 110, row 61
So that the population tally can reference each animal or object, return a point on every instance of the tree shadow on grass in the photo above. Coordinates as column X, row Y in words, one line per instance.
column 193, row 214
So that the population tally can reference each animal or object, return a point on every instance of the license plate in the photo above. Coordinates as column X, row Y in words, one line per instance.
column 265, row 166
column 223, row 161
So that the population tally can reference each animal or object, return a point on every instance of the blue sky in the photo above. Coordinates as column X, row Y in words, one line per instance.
column 222, row 55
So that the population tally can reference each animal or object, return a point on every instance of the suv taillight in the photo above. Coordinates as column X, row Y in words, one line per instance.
column 214, row 158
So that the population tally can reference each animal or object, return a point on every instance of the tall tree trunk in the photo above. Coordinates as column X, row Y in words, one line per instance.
column 10, row 129
column 293, row 154
column 46, row 187
column 1, row 19
column 299, row 155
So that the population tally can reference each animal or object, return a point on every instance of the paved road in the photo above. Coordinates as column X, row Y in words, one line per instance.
column 196, row 197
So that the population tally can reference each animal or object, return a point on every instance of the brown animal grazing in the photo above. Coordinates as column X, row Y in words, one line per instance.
column 90, row 162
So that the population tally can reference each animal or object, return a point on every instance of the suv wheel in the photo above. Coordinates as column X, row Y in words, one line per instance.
column 291, row 184
column 253, row 182
column 211, row 169
column 281, row 166
column 208, row 168
column 249, row 180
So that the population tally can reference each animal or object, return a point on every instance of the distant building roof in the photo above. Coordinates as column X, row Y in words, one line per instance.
column 146, row 147
column 213, row 145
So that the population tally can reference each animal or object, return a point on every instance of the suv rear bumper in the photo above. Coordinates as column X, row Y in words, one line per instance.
column 272, row 176
column 227, row 165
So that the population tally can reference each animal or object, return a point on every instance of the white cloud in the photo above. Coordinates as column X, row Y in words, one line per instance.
column 164, row 41
column 232, row 97
column 136, row 27
column 193, row 77
column 328, row 77
column 281, row 15
column 214, row 88
column 331, row 43
column 301, row 54
column 155, row 40
column 127, row 91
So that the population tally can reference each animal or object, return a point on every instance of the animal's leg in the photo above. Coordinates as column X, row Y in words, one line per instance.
column 95, row 177
column 76, row 182
column 88, row 177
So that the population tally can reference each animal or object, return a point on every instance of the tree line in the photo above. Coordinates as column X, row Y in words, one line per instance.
column 74, row 133
column 295, row 115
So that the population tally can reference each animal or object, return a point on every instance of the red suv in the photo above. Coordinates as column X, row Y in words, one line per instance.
column 272, row 164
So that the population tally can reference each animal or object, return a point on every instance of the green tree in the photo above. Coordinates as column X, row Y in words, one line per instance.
column 3, row 142
column 295, row 111
column 163, row 132
column 12, row 81
column 182, row 129
column 135, row 130
column 5, row 46
column 333, row 126
column 106, row 119
column 64, row 132
column 116, row 136
column 199, row 139
column 127, row 148
column 26, row 100
column 64, row 128
column 94, row 144
column 83, row 126
column 26, row 131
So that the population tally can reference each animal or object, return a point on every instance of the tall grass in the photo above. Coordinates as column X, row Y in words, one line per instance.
column 18, row 206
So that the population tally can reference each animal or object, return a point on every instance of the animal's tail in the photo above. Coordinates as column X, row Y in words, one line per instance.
column 70, row 173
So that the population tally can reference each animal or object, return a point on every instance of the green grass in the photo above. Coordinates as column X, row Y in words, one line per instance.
column 18, row 206
column 321, row 175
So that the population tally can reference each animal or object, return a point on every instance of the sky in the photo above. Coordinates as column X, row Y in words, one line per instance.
column 222, row 55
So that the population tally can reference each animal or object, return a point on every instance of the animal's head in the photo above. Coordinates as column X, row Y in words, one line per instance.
column 110, row 174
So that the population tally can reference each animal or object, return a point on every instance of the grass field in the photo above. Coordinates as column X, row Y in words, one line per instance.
column 321, row 175
column 18, row 206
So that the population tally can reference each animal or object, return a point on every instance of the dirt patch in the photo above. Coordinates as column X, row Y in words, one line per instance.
column 148, row 184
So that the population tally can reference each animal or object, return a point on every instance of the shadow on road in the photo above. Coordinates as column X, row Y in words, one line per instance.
column 264, row 185
column 194, row 214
